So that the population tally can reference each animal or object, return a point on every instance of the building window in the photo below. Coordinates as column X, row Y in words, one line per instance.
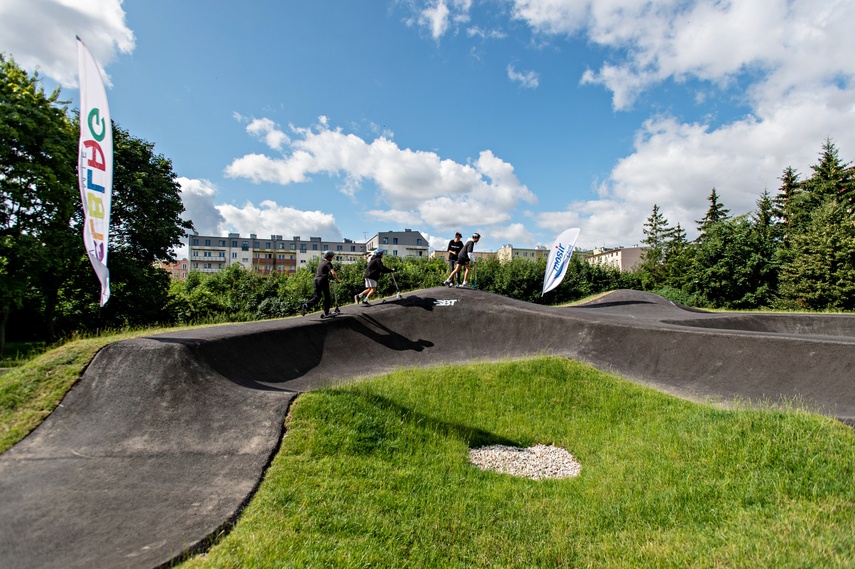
column 293, row 246
column 196, row 242
column 234, row 243
column 256, row 245
column 222, row 243
column 385, row 241
column 207, row 242
column 418, row 241
column 222, row 254
column 244, row 246
column 338, row 247
column 314, row 246
column 234, row 255
column 394, row 240
column 353, row 248
column 267, row 245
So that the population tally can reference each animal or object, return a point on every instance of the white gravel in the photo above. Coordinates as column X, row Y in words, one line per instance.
column 537, row 462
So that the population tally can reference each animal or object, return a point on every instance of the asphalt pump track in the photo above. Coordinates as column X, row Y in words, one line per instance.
column 164, row 439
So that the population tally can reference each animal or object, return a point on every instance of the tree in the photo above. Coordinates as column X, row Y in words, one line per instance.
column 145, row 227
column 656, row 233
column 820, row 273
column 832, row 179
column 38, row 193
column 732, row 269
column 715, row 213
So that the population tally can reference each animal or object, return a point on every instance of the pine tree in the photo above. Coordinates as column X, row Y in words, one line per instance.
column 715, row 213
column 656, row 233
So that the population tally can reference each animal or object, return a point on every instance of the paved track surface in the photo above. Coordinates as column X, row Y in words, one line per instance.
column 165, row 438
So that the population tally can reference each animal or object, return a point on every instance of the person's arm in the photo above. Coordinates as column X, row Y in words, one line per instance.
column 335, row 276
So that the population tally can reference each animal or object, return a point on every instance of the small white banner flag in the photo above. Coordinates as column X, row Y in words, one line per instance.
column 559, row 259
column 95, row 165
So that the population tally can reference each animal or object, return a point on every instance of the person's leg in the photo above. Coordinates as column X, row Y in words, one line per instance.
column 465, row 276
column 367, row 296
column 314, row 300
column 325, row 290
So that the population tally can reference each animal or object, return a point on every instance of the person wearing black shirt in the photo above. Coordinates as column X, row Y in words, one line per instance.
column 322, row 285
column 466, row 255
column 372, row 273
column 454, row 247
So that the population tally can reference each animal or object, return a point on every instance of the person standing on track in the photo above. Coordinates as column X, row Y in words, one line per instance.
column 322, row 285
column 464, row 258
column 454, row 247
column 372, row 273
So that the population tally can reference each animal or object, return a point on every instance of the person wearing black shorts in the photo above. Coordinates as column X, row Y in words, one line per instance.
column 454, row 247
column 465, row 256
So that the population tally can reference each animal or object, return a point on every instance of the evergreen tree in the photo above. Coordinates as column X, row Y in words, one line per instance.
column 820, row 273
column 656, row 234
column 715, row 213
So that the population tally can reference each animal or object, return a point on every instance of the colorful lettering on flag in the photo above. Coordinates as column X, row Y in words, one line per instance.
column 95, row 165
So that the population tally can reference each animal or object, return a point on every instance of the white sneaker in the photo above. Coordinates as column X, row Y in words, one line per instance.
column 464, row 284
column 357, row 299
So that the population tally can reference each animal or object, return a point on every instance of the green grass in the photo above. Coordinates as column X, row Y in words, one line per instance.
column 376, row 475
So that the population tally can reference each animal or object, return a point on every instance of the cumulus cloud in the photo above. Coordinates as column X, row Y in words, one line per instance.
column 99, row 23
column 198, row 199
column 271, row 218
column 268, row 218
column 415, row 185
column 267, row 130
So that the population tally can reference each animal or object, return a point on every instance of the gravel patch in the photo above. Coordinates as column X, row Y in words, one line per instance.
column 537, row 462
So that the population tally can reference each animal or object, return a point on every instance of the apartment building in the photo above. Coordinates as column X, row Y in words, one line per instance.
column 177, row 269
column 406, row 243
column 509, row 252
column 209, row 253
column 623, row 258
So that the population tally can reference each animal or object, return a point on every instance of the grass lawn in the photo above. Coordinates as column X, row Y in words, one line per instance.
column 376, row 474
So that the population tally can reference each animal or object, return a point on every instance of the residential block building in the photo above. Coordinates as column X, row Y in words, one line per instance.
column 211, row 253
column 623, row 258
column 406, row 243
column 509, row 252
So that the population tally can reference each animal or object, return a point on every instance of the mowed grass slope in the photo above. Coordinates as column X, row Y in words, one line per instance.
column 376, row 474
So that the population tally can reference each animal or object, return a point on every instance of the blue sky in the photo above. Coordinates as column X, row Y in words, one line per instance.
column 514, row 118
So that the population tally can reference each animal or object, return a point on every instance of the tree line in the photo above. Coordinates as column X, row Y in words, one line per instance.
column 795, row 251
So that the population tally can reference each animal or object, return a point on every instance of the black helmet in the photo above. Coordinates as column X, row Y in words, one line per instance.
column 328, row 254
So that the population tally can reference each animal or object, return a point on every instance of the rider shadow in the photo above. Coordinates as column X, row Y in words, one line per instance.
column 425, row 303
column 385, row 336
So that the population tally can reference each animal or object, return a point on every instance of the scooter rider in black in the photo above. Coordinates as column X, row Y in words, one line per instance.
column 322, row 285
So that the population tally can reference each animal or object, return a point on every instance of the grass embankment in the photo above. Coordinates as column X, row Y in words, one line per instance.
column 376, row 474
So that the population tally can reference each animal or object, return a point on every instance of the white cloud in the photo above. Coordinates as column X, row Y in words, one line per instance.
column 528, row 79
column 198, row 199
column 274, row 219
column 99, row 23
column 788, row 42
column 414, row 184
column 266, row 130
column 437, row 15
column 270, row 218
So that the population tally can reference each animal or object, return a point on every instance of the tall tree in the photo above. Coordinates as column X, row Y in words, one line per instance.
column 820, row 273
column 656, row 234
column 38, row 194
column 715, row 213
